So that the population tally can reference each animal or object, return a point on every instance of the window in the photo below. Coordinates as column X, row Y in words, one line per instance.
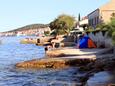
column 97, row 20
column 93, row 21
column 90, row 22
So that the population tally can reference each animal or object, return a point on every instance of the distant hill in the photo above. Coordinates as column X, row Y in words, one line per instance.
column 32, row 26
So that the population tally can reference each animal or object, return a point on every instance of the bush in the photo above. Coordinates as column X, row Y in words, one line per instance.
column 110, row 31
column 111, row 27
column 113, row 37
column 89, row 29
column 101, row 26
column 53, row 33
column 46, row 33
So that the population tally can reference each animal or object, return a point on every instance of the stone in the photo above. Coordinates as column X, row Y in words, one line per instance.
column 53, row 63
column 43, row 63
column 104, row 78
column 29, row 41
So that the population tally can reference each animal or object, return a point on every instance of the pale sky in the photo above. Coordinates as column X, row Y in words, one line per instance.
column 18, row 13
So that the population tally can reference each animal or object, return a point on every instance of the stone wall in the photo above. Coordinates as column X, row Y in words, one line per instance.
column 101, row 39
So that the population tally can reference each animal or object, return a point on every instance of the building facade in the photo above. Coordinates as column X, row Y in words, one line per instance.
column 84, row 22
column 102, row 14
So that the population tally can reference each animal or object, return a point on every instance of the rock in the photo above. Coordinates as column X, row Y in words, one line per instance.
column 104, row 78
column 55, row 54
column 29, row 41
column 43, row 44
column 53, row 63
column 37, row 41
column 43, row 63
column 69, row 51
column 105, row 63
column 59, row 53
column 83, row 68
column 45, row 39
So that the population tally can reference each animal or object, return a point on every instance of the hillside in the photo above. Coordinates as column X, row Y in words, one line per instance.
column 27, row 27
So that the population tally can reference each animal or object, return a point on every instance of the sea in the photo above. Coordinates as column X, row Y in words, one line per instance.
column 12, row 52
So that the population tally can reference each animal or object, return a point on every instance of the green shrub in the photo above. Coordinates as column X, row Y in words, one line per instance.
column 110, row 31
column 113, row 37
column 46, row 33
column 53, row 33
column 89, row 29
column 111, row 27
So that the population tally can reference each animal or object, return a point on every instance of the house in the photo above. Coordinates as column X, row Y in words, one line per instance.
column 102, row 14
column 84, row 22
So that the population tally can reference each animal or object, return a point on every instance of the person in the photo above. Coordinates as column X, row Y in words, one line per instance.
column 38, row 40
column 48, row 47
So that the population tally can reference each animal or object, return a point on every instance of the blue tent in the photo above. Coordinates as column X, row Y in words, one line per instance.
column 86, row 42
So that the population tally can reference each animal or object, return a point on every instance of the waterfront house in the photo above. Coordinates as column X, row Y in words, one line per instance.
column 84, row 22
column 102, row 14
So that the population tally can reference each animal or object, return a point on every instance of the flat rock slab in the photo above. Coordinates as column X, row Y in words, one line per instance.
column 28, row 41
column 82, row 57
column 93, row 57
column 54, row 62
column 75, row 52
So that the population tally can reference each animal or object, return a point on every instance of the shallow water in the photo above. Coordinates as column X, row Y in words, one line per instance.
column 12, row 52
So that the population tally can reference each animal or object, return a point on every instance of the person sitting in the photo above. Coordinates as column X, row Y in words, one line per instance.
column 48, row 47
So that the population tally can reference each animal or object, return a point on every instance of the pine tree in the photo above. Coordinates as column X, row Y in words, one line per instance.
column 79, row 17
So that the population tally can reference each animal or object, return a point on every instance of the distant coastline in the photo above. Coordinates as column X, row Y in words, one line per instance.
column 28, row 30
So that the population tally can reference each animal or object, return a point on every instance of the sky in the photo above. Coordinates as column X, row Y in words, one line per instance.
column 18, row 13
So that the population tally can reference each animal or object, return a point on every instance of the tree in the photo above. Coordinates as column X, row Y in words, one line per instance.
column 112, row 27
column 113, row 39
column 112, row 23
column 47, row 33
column 63, row 24
column 79, row 17
column 111, row 31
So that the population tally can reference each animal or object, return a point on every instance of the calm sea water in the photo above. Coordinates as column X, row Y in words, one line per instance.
column 12, row 52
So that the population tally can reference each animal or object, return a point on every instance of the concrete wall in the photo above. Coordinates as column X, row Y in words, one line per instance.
column 101, row 40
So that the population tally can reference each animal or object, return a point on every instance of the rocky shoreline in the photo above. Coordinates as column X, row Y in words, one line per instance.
column 89, row 63
column 101, row 64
